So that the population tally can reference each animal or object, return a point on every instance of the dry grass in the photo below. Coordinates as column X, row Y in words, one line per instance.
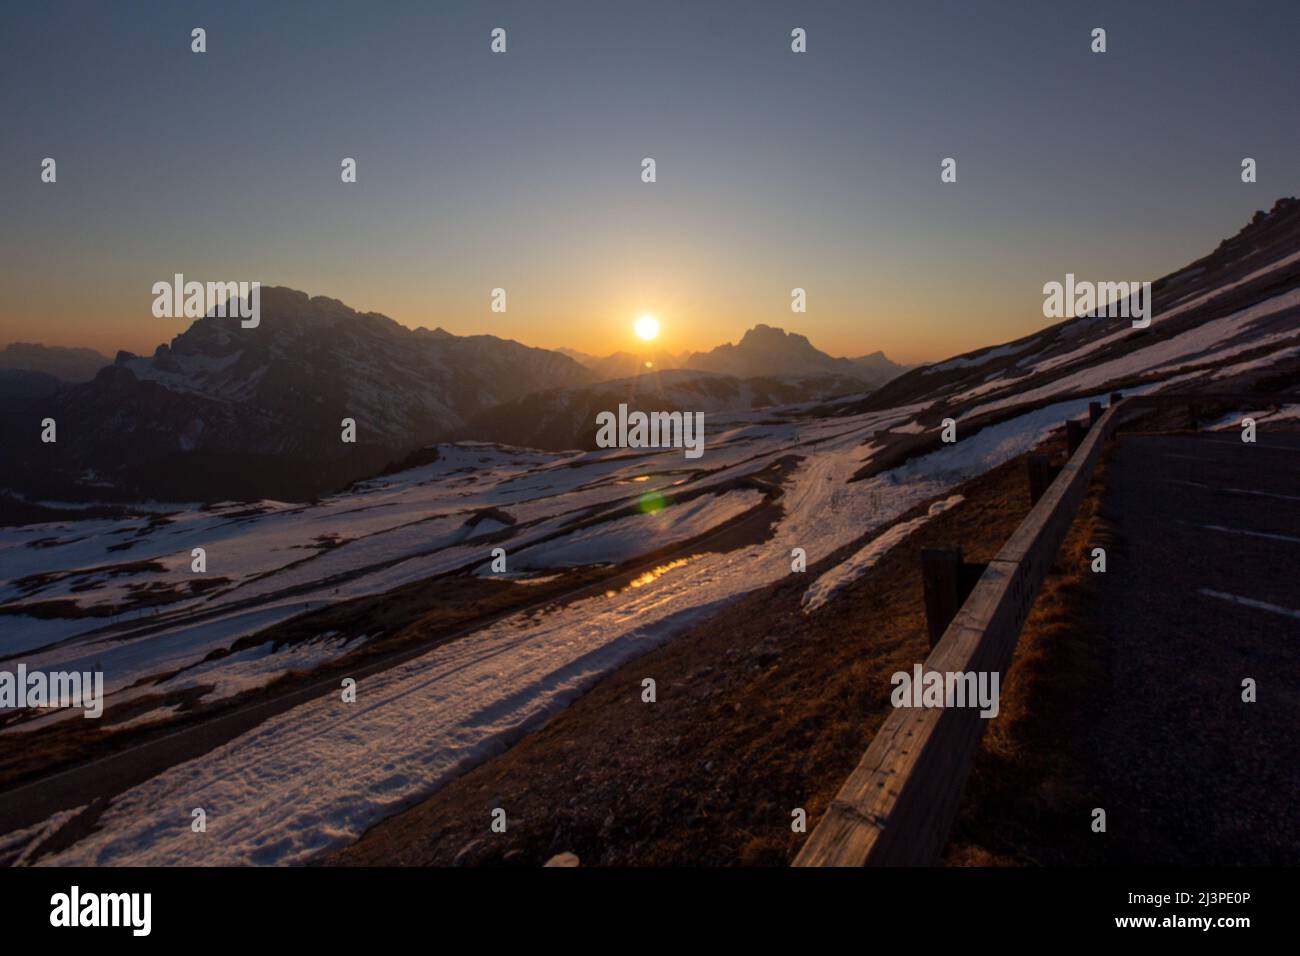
column 1029, row 787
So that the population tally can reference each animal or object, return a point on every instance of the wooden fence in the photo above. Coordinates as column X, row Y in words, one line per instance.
column 898, row 804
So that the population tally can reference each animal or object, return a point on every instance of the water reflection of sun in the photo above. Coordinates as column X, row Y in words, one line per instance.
column 652, row 575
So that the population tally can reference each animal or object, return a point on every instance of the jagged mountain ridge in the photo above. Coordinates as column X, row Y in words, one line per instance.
column 769, row 351
column 230, row 412
column 763, row 352
column 401, row 382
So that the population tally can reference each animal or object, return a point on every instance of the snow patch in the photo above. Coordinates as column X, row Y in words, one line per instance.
column 16, row 847
column 842, row 575
column 1002, row 351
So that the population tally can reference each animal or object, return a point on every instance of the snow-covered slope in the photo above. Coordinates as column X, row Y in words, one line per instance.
column 1229, row 321
column 311, row 778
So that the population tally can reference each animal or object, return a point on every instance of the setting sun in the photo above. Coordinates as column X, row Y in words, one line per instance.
column 647, row 327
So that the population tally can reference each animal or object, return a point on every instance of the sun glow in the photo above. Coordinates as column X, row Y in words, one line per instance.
column 647, row 327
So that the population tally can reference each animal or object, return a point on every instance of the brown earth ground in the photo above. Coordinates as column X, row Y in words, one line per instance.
column 760, row 710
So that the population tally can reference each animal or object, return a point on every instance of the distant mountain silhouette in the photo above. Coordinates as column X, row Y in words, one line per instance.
column 764, row 351
column 64, row 364
column 582, row 358
column 768, row 351
column 878, row 364
column 225, row 411
column 564, row 418
column 628, row 364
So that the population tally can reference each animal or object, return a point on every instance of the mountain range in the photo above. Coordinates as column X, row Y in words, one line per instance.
column 763, row 352
column 29, row 371
column 563, row 418
column 63, row 364
column 224, row 412
column 768, row 351
column 227, row 412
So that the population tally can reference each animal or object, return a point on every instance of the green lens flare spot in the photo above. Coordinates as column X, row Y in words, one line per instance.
column 652, row 502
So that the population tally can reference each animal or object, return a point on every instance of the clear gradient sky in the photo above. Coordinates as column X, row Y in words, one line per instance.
column 775, row 170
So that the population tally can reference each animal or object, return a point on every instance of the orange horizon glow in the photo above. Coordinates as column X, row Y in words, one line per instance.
column 907, row 332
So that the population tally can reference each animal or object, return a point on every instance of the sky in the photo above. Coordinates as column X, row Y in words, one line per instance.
column 775, row 170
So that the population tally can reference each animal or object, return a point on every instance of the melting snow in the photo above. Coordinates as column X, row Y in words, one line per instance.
column 316, row 776
column 845, row 573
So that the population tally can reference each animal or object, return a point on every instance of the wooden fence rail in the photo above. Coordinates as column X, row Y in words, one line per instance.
column 898, row 804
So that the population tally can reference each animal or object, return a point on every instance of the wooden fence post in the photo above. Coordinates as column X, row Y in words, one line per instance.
column 1094, row 412
column 941, row 578
column 1040, row 476
column 1074, row 432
